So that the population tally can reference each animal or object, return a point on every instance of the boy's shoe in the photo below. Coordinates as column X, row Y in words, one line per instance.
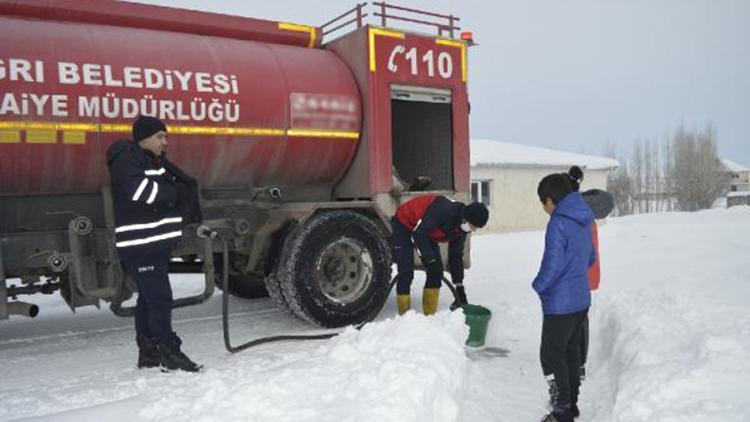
column 172, row 357
column 559, row 415
column 148, row 355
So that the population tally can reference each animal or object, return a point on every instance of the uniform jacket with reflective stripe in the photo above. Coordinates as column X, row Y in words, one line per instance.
column 432, row 219
column 146, row 218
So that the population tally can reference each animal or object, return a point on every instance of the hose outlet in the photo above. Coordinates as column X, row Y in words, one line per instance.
column 23, row 309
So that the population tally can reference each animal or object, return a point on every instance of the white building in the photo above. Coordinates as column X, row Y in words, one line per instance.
column 740, row 176
column 505, row 177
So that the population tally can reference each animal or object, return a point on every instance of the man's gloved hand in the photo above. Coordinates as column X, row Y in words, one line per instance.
column 460, row 297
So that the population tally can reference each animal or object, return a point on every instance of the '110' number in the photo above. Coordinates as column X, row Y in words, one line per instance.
column 444, row 62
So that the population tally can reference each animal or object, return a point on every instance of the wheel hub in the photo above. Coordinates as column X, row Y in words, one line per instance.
column 344, row 270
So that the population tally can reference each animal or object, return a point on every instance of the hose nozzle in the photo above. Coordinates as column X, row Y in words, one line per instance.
column 204, row 232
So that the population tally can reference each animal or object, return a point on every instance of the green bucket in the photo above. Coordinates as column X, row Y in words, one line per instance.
column 477, row 318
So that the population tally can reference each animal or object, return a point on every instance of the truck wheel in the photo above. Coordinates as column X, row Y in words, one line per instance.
column 334, row 270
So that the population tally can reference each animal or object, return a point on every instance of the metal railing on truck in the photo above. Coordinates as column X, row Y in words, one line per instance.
column 446, row 25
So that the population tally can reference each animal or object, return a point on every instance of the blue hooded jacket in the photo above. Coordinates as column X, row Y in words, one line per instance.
column 562, row 282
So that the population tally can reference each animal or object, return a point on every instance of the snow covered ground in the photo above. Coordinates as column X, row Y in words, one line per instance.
column 670, row 332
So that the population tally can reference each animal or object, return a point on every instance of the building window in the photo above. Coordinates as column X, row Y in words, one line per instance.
column 480, row 191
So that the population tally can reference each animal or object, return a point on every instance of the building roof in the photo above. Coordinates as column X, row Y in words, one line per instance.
column 490, row 152
column 733, row 167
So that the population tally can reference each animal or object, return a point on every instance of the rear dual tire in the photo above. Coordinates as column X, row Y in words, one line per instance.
column 334, row 270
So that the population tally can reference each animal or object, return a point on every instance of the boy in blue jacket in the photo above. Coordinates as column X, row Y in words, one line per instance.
column 563, row 288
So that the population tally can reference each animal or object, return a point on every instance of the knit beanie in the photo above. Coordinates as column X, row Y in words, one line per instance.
column 146, row 126
column 476, row 214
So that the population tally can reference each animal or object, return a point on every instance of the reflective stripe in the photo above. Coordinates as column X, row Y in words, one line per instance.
column 136, row 242
column 419, row 253
column 145, row 226
column 154, row 191
column 155, row 172
column 140, row 189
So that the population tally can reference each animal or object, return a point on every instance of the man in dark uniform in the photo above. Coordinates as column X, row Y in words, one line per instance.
column 149, row 224
column 423, row 222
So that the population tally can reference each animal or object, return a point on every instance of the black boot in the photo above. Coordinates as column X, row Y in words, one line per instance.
column 172, row 357
column 574, row 410
column 148, row 355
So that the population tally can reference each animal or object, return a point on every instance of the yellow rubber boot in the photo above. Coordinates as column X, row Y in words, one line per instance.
column 404, row 303
column 430, row 301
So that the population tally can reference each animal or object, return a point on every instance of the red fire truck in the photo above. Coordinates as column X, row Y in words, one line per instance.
column 300, row 146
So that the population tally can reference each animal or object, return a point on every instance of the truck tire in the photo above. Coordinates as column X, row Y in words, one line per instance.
column 334, row 270
column 274, row 291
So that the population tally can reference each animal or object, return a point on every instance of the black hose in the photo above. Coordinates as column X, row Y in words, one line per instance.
column 270, row 339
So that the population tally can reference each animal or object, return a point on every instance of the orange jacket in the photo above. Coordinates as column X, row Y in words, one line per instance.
column 594, row 272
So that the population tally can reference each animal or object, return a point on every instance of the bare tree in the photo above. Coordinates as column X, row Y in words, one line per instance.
column 636, row 175
column 668, row 185
column 618, row 181
column 696, row 173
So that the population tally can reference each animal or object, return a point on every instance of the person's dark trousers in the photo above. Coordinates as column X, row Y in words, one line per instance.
column 584, row 341
column 560, row 353
column 153, row 310
column 403, row 256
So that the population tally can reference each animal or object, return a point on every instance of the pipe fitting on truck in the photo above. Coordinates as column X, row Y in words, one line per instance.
column 22, row 308
column 274, row 192
column 242, row 227
column 57, row 262
column 81, row 226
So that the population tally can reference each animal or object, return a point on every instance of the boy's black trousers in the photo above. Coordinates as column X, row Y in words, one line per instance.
column 560, row 353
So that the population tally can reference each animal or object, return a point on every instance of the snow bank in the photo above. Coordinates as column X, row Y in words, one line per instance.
column 406, row 369
column 673, row 339
column 664, row 360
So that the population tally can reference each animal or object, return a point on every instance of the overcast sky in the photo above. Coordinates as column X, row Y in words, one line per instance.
column 576, row 74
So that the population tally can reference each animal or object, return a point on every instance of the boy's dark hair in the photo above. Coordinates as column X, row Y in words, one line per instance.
column 575, row 175
column 555, row 186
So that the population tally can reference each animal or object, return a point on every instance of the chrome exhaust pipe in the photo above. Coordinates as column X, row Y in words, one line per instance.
column 22, row 308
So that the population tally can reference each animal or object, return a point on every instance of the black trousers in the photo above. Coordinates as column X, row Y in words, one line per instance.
column 153, row 310
column 585, row 340
column 560, row 353
column 403, row 256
